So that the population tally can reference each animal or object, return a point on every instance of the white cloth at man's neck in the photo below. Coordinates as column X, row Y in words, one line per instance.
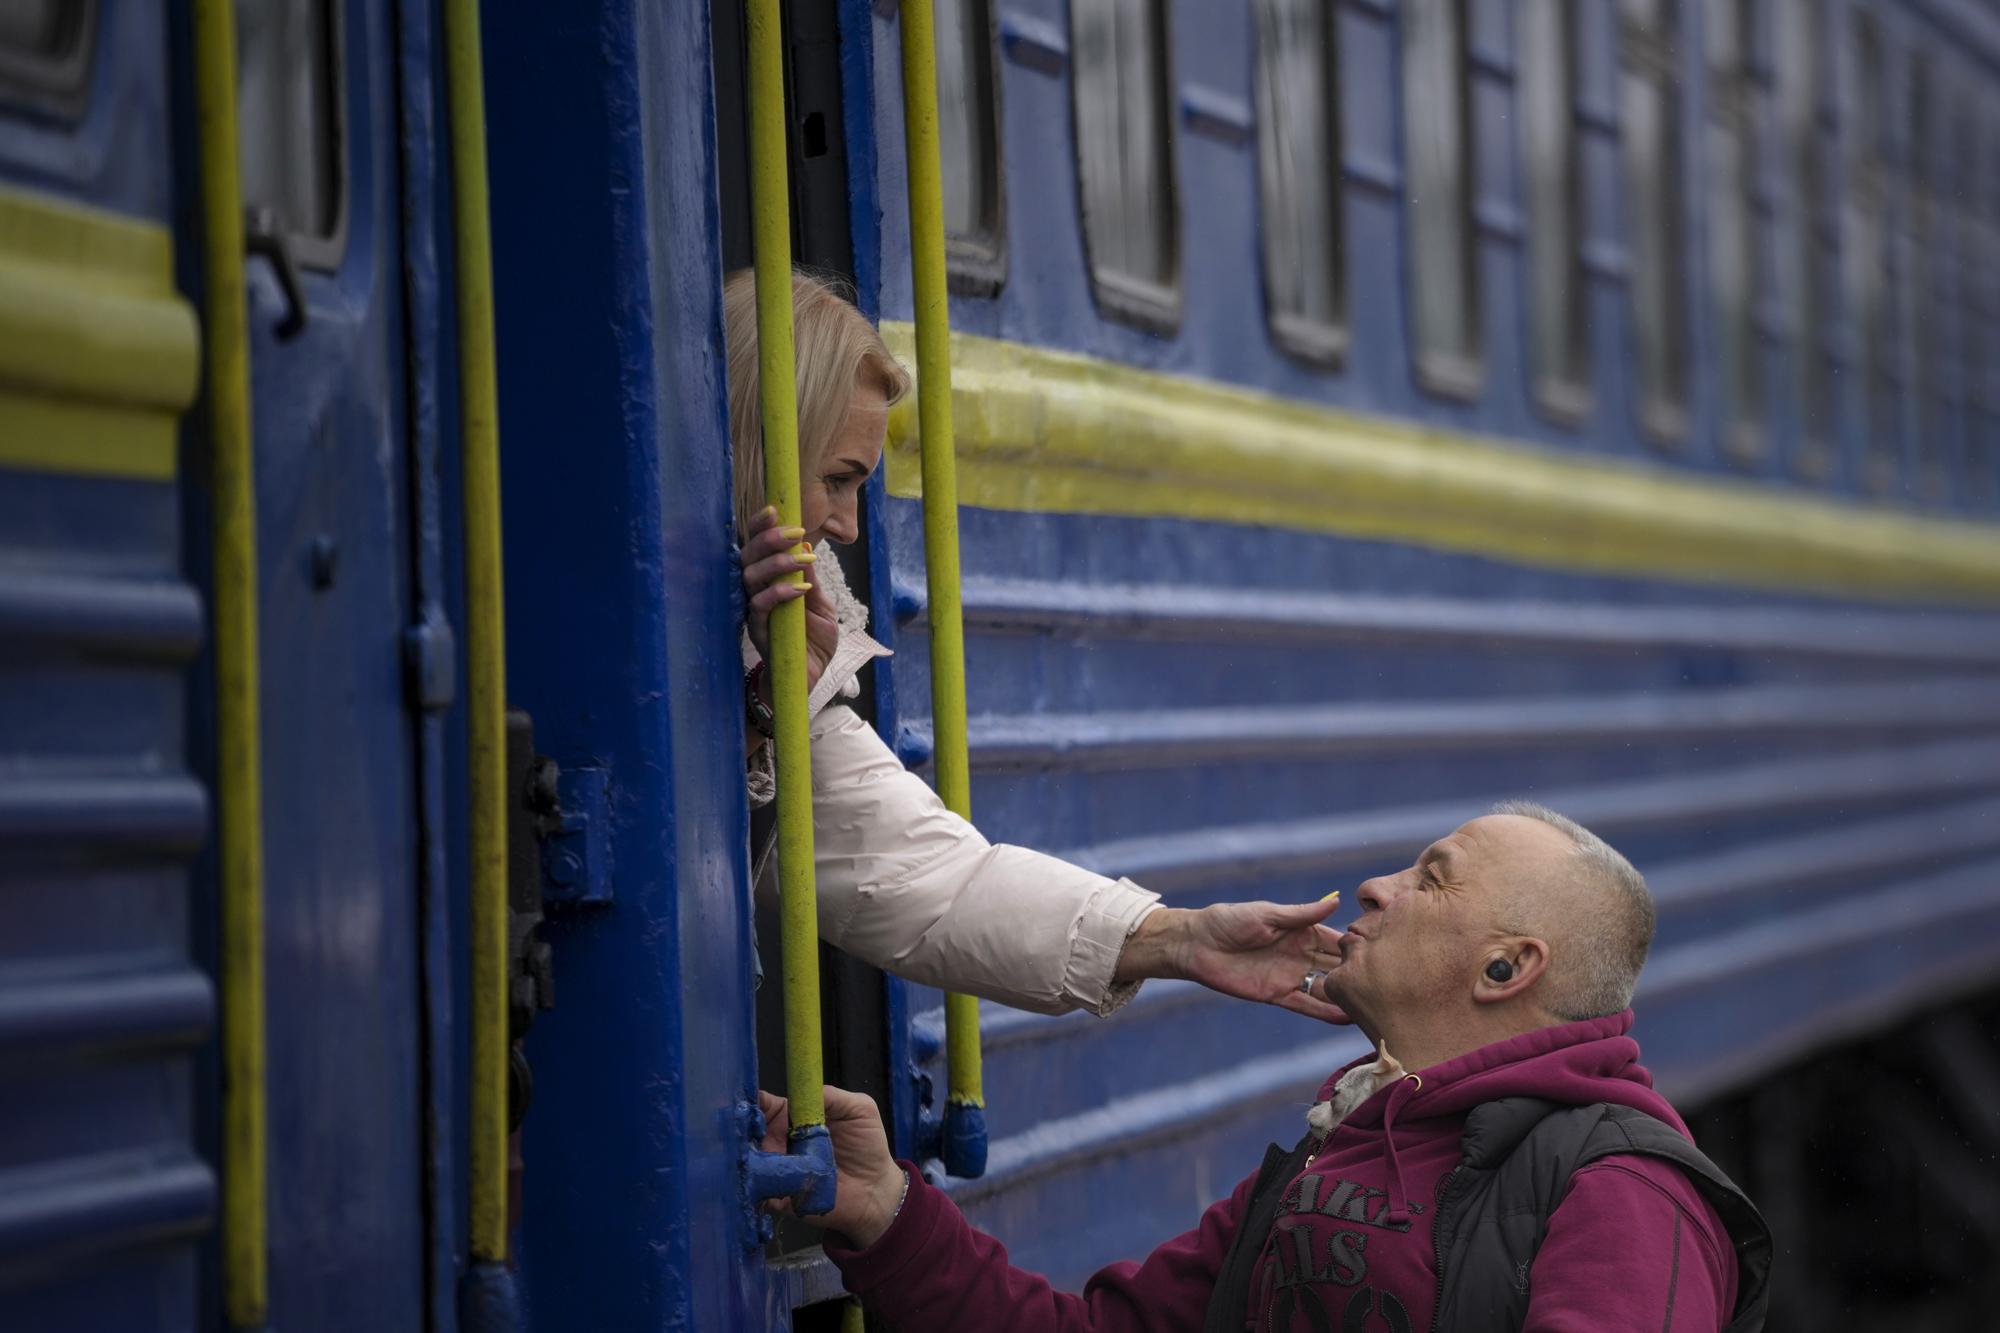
column 1356, row 1086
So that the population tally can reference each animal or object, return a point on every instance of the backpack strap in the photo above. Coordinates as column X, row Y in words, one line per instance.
column 1231, row 1295
column 1625, row 1131
column 1519, row 1156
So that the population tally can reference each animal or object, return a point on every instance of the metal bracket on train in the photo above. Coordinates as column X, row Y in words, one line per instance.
column 576, row 853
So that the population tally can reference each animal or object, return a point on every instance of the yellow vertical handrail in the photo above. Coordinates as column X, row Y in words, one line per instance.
column 940, row 479
column 798, row 911
column 239, row 775
column 485, row 632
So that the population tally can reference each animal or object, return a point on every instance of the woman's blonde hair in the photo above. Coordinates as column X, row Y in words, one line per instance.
column 834, row 345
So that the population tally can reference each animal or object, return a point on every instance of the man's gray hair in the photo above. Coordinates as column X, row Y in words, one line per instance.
column 1608, row 928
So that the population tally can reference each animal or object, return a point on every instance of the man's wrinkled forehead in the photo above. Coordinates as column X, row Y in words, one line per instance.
column 1487, row 843
column 1507, row 847
column 1446, row 858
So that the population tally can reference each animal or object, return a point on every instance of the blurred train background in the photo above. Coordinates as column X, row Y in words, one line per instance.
column 1366, row 410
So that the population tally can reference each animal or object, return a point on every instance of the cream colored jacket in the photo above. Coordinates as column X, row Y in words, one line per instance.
column 910, row 887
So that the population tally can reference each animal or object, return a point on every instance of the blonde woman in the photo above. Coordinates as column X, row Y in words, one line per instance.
column 904, row 883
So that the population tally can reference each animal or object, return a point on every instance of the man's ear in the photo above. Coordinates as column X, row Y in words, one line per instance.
column 1509, row 968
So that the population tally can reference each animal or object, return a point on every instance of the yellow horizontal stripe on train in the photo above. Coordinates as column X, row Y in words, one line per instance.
column 86, row 439
column 99, row 353
column 1052, row 432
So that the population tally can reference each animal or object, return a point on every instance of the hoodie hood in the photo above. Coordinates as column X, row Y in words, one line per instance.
column 1576, row 1064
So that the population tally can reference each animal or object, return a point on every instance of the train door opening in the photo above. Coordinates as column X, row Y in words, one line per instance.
column 853, row 998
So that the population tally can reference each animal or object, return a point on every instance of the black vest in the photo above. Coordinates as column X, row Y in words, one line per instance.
column 1516, row 1158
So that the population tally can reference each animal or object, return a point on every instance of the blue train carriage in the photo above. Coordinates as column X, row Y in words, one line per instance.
column 269, row 953
column 230, row 978
column 1366, row 411
column 1649, row 469
column 259, row 978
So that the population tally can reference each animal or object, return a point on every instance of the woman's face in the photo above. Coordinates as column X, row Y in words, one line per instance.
column 830, row 503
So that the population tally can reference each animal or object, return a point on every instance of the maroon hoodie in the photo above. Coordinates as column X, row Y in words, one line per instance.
column 1631, row 1246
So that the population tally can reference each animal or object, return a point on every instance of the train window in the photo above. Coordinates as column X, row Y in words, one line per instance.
column 1983, row 365
column 969, row 140
column 1298, row 170
column 1557, row 319
column 1125, row 160
column 1929, row 279
column 1812, row 278
column 1867, row 256
column 1973, row 244
column 45, row 52
column 1732, row 225
column 291, row 115
column 1649, row 105
column 1438, row 185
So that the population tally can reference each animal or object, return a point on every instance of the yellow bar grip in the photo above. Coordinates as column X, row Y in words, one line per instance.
column 798, row 910
column 238, row 744
column 940, row 473
column 485, row 631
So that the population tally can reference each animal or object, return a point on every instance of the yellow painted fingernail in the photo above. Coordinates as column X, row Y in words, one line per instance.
column 1331, row 896
column 804, row 557
column 793, row 533
column 770, row 511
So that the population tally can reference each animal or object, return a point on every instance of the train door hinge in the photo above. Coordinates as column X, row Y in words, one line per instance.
column 576, row 854
column 430, row 662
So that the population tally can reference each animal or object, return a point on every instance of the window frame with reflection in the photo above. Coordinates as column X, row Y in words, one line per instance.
column 1812, row 278
column 52, row 77
column 1451, row 371
column 1979, row 347
column 1150, row 301
column 1557, row 287
column 322, row 247
column 1733, row 230
column 1301, row 237
column 1929, row 279
column 1868, row 236
column 1656, row 226
column 976, row 257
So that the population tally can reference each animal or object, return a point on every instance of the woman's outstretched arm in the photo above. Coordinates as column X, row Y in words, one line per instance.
column 912, row 888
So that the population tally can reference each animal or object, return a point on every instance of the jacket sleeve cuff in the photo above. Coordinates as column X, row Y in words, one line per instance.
column 914, row 1233
column 1102, row 928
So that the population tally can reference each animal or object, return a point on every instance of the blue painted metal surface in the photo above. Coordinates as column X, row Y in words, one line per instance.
column 104, row 1194
column 622, row 605
column 342, row 793
column 431, row 656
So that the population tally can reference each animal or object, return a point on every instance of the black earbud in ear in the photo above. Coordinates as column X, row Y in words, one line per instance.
column 1500, row 970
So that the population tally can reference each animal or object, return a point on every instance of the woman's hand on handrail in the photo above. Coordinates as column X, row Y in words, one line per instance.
column 1254, row 951
column 771, row 553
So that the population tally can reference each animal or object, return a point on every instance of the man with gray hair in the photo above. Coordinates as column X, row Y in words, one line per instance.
column 1501, row 1162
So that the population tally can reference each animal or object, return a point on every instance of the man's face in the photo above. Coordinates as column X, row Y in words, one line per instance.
column 1426, row 933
